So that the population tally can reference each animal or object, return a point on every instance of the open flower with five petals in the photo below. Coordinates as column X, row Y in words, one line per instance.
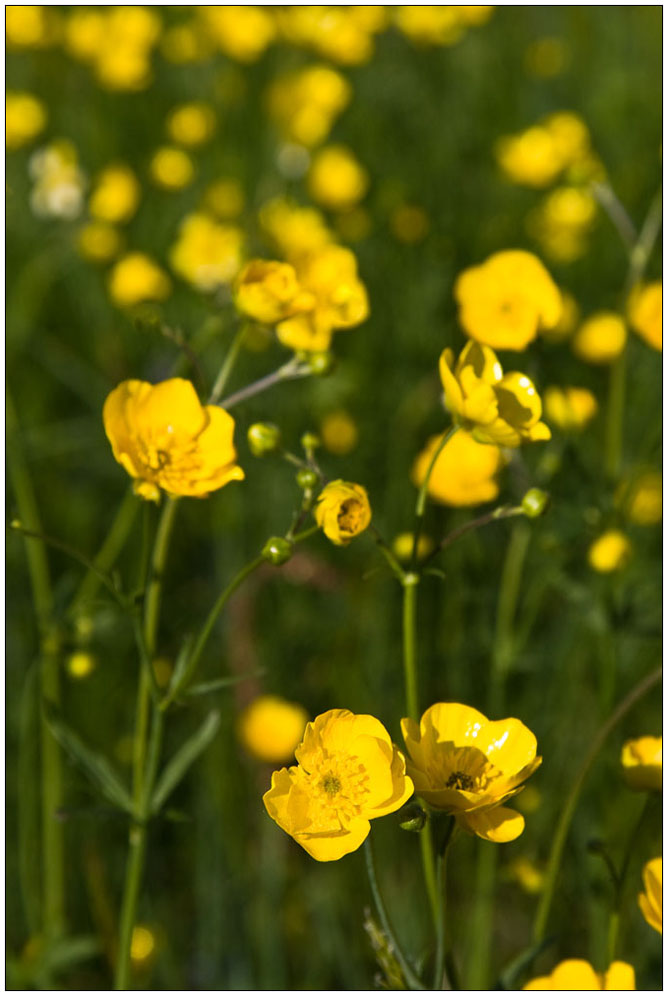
column 348, row 772
column 463, row 764
column 499, row 408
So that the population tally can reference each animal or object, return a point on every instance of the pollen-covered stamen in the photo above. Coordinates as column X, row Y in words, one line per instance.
column 331, row 784
column 350, row 515
column 459, row 780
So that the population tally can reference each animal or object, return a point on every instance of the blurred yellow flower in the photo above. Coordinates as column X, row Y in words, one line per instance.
column 98, row 242
column 339, row 432
column 224, row 198
column 25, row 117
column 342, row 511
column 30, row 26
column 117, row 43
column 527, row 875
column 171, row 168
column 269, row 291
column 498, row 408
column 337, row 33
column 641, row 497
column 191, row 124
column 609, row 552
column 206, row 253
column 462, row 763
column 569, row 408
column 115, row 195
column 136, row 278
column 645, row 312
column 185, row 43
column 560, row 223
column 336, row 179
column 464, row 473
column 59, row 183
column 270, row 728
column 642, row 764
column 294, row 230
column 537, row 156
column 80, row 664
column 504, row 301
column 409, row 223
column 142, row 945
column 601, row 338
column 576, row 974
column 242, row 32
column 402, row 546
column 565, row 326
column 85, row 33
column 348, row 772
column 651, row 900
column 166, row 439
column 431, row 25
column 305, row 104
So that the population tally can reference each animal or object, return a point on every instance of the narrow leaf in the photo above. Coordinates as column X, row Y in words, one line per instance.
column 208, row 687
column 181, row 665
column 182, row 760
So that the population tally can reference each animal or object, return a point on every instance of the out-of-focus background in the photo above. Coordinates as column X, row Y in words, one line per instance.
column 229, row 901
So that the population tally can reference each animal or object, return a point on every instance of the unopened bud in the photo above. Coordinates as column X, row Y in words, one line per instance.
column 263, row 438
column 321, row 364
column 535, row 503
column 310, row 441
column 412, row 817
column 277, row 550
column 306, row 478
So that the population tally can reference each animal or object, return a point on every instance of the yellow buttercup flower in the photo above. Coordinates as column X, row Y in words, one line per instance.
column 527, row 875
column 343, row 511
column 271, row 729
column 642, row 764
column 136, row 278
column 115, row 195
column 331, row 31
column 25, row 117
column 569, row 408
column 601, row 338
column 651, row 900
column 191, row 124
column 117, row 43
column 339, row 432
column 609, row 552
column 167, row 440
column 305, row 104
column 430, row 25
column 243, row 31
column 498, row 408
column 504, row 301
column 295, row 231
column 269, row 291
column 206, row 253
column 171, row 168
column 537, row 156
column 560, row 223
column 336, row 179
column 462, row 763
column 641, row 497
column 142, row 945
column 59, row 183
column 464, row 473
column 98, row 242
column 29, row 26
column 565, row 326
column 575, row 974
column 645, row 311
column 348, row 772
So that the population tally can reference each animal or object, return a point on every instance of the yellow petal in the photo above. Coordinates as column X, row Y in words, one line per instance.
column 498, row 825
column 453, row 721
column 331, row 847
column 620, row 976
column 573, row 974
column 402, row 787
column 508, row 744
column 171, row 407
column 453, row 395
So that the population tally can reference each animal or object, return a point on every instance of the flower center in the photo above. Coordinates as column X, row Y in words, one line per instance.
column 350, row 516
column 459, row 780
column 331, row 784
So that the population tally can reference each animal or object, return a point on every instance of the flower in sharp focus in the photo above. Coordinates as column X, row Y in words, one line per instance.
column 464, row 473
column 642, row 763
column 463, row 764
column 569, row 408
column 504, row 301
column 498, row 408
column 166, row 439
column 343, row 511
column 348, row 772
column 269, row 291
column 651, row 901
column 270, row 728
column 645, row 312
column 611, row 551
column 576, row 974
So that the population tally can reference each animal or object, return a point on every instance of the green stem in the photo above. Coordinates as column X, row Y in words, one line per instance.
column 502, row 512
column 108, row 553
column 614, row 428
column 227, row 366
column 410, row 583
column 568, row 810
column 421, row 503
column 441, row 877
column 289, row 371
column 409, row 974
column 615, row 916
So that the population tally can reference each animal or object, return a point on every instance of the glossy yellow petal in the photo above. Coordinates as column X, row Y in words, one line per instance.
column 619, row 976
column 642, row 763
column 651, row 901
column 508, row 744
column 498, row 825
column 402, row 787
column 454, row 398
column 331, row 847
column 454, row 721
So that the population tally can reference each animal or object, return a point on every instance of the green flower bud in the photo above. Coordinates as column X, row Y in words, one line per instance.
column 412, row 817
column 263, row 438
column 306, row 478
column 310, row 441
column 277, row 550
column 535, row 503
column 321, row 364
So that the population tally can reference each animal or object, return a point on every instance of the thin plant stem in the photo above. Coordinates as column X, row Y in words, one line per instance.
column 617, row 213
column 410, row 583
column 421, row 502
column 568, row 810
column 615, row 415
column 502, row 512
column 442, row 907
column 289, row 371
column 108, row 552
column 227, row 366
column 409, row 975
column 620, row 880
column 642, row 250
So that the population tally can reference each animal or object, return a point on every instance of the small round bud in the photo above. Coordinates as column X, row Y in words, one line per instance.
column 310, row 441
column 277, row 550
column 16, row 524
column 321, row 364
column 535, row 503
column 306, row 478
column 263, row 438
column 412, row 817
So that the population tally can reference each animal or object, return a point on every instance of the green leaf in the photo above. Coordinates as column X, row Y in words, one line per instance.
column 181, row 665
column 183, row 759
column 93, row 764
column 520, row 963
column 208, row 687
column 70, row 951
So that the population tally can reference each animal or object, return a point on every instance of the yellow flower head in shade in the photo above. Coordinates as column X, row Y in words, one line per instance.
column 642, row 764
column 29, row 26
column 462, row 763
column 651, row 900
column 339, row 432
column 25, row 117
column 430, row 25
column 645, row 311
column 98, row 242
column 269, row 291
column 242, row 32
column 116, row 43
column 336, row 179
column 348, row 772
column 142, row 945
column 561, row 221
column 611, row 551
column 575, row 974
column 224, row 198
column 339, row 299
column 305, row 104
column 343, row 511
column 464, row 473
column 641, row 497
column 569, row 408
column 115, row 195
column 504, row 301
column 191, row 124
column 270, row 728
column 136, row 278
column 166, row 439
column 207, row 254
column 537, row 156
column 498, row 408
column 171, row 168
column 601, row 338
column 295, row 231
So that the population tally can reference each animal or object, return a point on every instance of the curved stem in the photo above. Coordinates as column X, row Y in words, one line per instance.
column 227, row 366
column 421, row 502
column 568, row 810
column 289, row 371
